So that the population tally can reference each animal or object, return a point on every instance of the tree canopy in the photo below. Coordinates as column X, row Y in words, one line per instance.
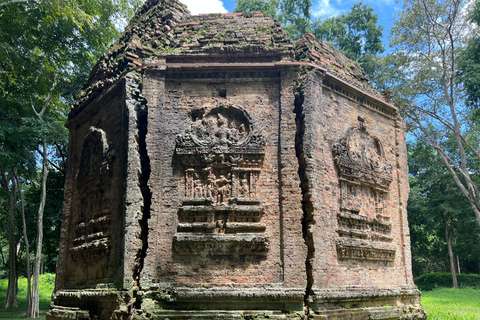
column 294, row 15
column 48, row 48
column 469, row 66
column 356, row 34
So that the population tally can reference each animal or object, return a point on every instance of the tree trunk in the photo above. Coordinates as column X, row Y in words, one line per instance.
column 38, row 251
column 12, row 289
column 458, row 265
column 27, row 248
column 448, row 236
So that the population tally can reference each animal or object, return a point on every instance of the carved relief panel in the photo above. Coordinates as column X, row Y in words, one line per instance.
column 365, row 176
column 221, row 214
column 91, row 230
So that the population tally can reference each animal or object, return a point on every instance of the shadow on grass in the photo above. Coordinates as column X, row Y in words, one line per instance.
column 18, row 313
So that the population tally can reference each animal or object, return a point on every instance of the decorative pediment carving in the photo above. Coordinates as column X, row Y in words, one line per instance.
column 225, row 134
column 360, row 159
column 364, row 231
column 91, row 234
column 222, row 155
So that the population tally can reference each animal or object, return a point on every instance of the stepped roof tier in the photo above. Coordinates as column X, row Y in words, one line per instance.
column 165, row 32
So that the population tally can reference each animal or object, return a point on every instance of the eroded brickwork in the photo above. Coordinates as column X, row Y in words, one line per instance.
column 219, row 171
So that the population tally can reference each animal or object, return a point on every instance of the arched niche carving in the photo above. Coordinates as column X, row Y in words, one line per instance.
column 360, row 159
column 221, row 214
column 364, row 175
column 91, row 239
column 95, row 154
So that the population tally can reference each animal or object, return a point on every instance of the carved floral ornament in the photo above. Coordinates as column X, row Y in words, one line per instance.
column 360, row 159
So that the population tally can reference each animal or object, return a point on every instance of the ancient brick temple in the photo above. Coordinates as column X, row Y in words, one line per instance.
column 218, row 170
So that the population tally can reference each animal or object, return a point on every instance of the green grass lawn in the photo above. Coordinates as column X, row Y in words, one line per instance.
column 47, row 284
column 452, row 304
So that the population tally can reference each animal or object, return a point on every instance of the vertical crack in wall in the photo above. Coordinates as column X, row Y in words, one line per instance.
column 143, row 175
column 280, row 185
column 397, row 127
column 301, row 143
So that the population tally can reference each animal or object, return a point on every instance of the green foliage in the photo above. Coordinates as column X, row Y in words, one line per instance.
column 47, row 284
column 432, row 194
column 268, row 7
column 431, row 281
column 452, row 304
column 48, row 48
column 294, row 15
column 422, row 73
column 356, row 34
column 52, row 218
column 469, row 67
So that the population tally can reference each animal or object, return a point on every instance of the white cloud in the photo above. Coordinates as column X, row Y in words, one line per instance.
column 204, row 6
column 324, row 9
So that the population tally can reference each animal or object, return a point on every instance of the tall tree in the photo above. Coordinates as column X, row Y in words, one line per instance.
column 47, row 49
column 294, row 15
column 27, row 246
column 9, row 185
column 15, row 143
column 469, row 66
column 269, row 7
column 441, row 221
column 35, row 306
column 356, row 33
column 427, row 36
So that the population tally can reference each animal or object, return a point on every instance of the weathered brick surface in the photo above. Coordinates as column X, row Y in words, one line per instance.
column 94, row 221
column 219, row 171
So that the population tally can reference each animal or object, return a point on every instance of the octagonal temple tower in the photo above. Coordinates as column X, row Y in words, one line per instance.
column 218, row 170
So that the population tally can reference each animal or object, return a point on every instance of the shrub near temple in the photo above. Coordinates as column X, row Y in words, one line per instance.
column 431, row 281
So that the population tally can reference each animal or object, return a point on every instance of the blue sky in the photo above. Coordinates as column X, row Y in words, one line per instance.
column 385, row 9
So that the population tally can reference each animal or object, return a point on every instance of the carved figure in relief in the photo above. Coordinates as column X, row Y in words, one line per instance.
column 222, row 133
column 253, row 184
column 189, row 183
column 222, row 157
column 244, row 186
column 223, row 187
column 223, row 127
column 211, row 182
column 197, row 187
column 364, row 149
column 363, row 200
column 92, row 215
